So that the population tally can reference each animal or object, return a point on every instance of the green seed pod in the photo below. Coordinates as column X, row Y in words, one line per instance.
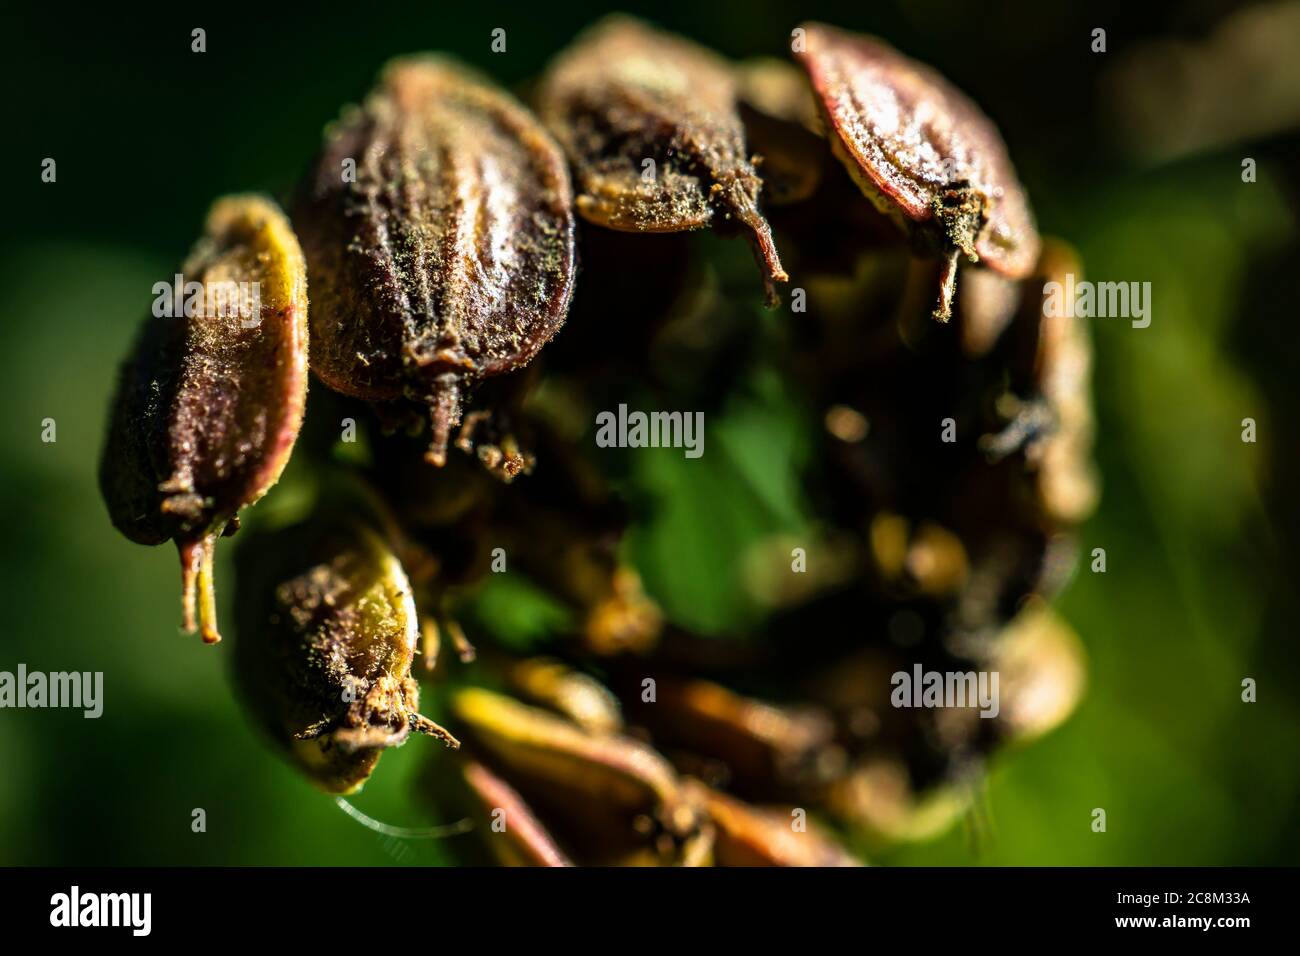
column 327, row 634
column 209, row 404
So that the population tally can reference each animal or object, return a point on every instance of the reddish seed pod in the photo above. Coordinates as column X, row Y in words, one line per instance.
column 525, row 841
column 923, row 153
column 449, row 256
column 209, row 404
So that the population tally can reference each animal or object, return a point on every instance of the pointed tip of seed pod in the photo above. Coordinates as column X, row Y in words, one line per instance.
column 771, row 297
column 947, row 287
column 444, row 415
column 769, row 261
column 743, row 206
column 191, row 555
column 198, row 593
column 768, row 257
column 464, row 649
column 421, row 724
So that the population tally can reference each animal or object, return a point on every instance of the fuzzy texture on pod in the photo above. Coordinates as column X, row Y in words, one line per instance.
column 923, row 153
column 650, row 123
column 327, row 634
column 448, row 257
column 209, row 405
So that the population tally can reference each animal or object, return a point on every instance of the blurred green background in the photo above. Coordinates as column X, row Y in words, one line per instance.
column 1199, row 528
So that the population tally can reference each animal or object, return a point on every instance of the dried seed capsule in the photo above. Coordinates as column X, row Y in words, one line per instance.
column 327, row 633
column 649, row 122
column 450, row 257
column 923, row 153
column 209, row 404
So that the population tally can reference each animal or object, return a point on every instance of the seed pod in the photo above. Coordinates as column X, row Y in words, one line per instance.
column 450, row 257
column 208, row 406
column 923, row 153
column 567, row 691
column 327, row 633
column 750, row 836
column 524, row 840
column 1067, row 481
column 650, row 125
column 611, row 798
column 1043, row 668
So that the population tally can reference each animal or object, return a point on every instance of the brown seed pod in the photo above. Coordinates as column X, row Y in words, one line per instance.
column 923, row 153
column 650, row 124
column 327, row 634
column 449, row 256
column 209, row 404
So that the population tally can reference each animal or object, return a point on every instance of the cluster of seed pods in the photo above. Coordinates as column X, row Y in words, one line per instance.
column 437, row 234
